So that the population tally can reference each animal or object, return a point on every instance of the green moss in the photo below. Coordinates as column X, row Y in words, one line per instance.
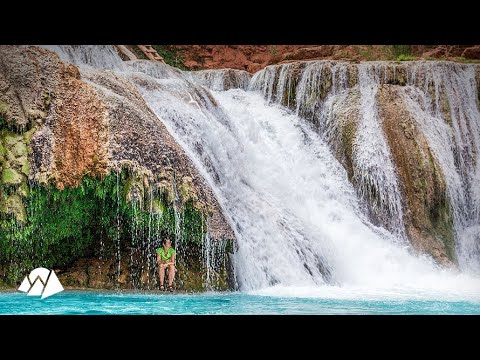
column 133, row 189
column 13, row 205
column 23, row 190
column 442, row 221
column 95, row 217
column 398, row 51
column 25, row 166
column 3, row 151
column 10, row 139
column 187, row 191
column 27, row 135
column 19, row 149
column 10, row 177
column 158, row 206
column 404, row 57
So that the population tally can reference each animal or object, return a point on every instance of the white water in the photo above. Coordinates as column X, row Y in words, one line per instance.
column 221, row 79
column 325, row 97
column 373, row 164
column 455, row 143
column 315, row 100
column 297, row 219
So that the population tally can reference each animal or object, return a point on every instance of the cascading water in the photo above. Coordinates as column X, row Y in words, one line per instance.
column 313, row 89
column 96, row 56
column 444, row 102
column 297, row 219
column 220, row 80
column 372, row 160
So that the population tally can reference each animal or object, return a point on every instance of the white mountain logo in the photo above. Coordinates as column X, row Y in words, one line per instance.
column 41, row 281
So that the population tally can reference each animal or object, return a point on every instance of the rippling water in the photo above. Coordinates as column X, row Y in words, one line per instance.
column 326, row 302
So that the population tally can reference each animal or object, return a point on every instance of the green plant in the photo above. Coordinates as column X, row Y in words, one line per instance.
column 403, row 57
column 398, row 50
column 171, row 56
column 65, row 225
column 367, row 53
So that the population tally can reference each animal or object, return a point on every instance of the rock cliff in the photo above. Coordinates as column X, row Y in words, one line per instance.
column 89, row 138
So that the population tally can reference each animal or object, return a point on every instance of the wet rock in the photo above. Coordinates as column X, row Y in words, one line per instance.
column 428, row 221
column 91, row 122
column 13, row 205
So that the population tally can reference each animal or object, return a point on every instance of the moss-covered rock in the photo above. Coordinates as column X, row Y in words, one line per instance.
column 187, row 190
column 36, row 115
column 104, row 218
column 78, row 207
column 19, row 149
column 13, row 205
column 428, row 220
column 10, row 177
column 23, row 190
column 10, row 139
column 27, row 135
column 24, row 165
column 3, row 151
column 158, row 206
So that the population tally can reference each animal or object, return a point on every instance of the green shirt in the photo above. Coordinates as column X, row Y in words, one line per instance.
column 168, row 255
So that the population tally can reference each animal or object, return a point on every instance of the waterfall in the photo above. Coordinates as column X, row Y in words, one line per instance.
column 297, row 218
column 313, row 88
column 373, row 164
column 222, row 79
column 443, row 98
column 96, row 56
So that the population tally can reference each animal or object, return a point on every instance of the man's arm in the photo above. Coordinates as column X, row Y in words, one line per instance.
column 172, row 261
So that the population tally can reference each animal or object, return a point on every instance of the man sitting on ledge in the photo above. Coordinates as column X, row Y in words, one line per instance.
column 166, row 260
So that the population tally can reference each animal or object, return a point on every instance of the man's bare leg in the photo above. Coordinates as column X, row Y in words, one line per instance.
column 161, row 271
column 171, row 274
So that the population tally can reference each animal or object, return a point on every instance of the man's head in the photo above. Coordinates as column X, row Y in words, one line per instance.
column 167, row 242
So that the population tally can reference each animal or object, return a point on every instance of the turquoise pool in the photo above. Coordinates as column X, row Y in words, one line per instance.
column 97, row 302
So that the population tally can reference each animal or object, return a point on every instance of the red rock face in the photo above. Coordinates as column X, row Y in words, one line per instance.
column 80, row 131
column 255, row 57
column 243, row 57
column 472, row 52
